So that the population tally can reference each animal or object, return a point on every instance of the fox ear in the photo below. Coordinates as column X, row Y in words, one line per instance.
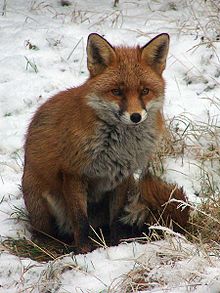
column 155, row 52
column 100, row 54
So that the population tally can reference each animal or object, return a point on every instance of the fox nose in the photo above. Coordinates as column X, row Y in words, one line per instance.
column 135, row 117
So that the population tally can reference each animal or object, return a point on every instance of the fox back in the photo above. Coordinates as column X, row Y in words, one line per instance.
column 94, row 136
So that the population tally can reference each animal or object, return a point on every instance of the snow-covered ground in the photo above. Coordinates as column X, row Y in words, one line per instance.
column 42, row 51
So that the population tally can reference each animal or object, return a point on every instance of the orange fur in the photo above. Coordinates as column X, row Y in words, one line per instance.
column 150, row 202
column 70, row 162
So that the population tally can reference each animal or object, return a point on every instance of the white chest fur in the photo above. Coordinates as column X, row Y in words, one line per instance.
column 118, row 151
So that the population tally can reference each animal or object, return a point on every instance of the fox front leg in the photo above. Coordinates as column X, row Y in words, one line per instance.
column 75, row 196
column 118, row 199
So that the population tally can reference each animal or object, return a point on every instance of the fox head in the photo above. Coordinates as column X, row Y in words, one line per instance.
column 126, row 83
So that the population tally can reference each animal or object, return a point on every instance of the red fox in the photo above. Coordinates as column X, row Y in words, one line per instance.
column 84, row 144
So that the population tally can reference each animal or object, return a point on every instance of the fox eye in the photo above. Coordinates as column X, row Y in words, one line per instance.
column 145, row 91
column 116, row 92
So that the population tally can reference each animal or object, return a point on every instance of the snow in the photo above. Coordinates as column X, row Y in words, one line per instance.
column 56, row 61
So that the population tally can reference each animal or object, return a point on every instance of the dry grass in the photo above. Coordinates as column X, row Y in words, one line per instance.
column 185, row 137
column 151, row 269
column 205, row 222
column 38, row 250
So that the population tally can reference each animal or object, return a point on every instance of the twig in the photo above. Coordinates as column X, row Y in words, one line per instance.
column 74, row 49
column 4, row 8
